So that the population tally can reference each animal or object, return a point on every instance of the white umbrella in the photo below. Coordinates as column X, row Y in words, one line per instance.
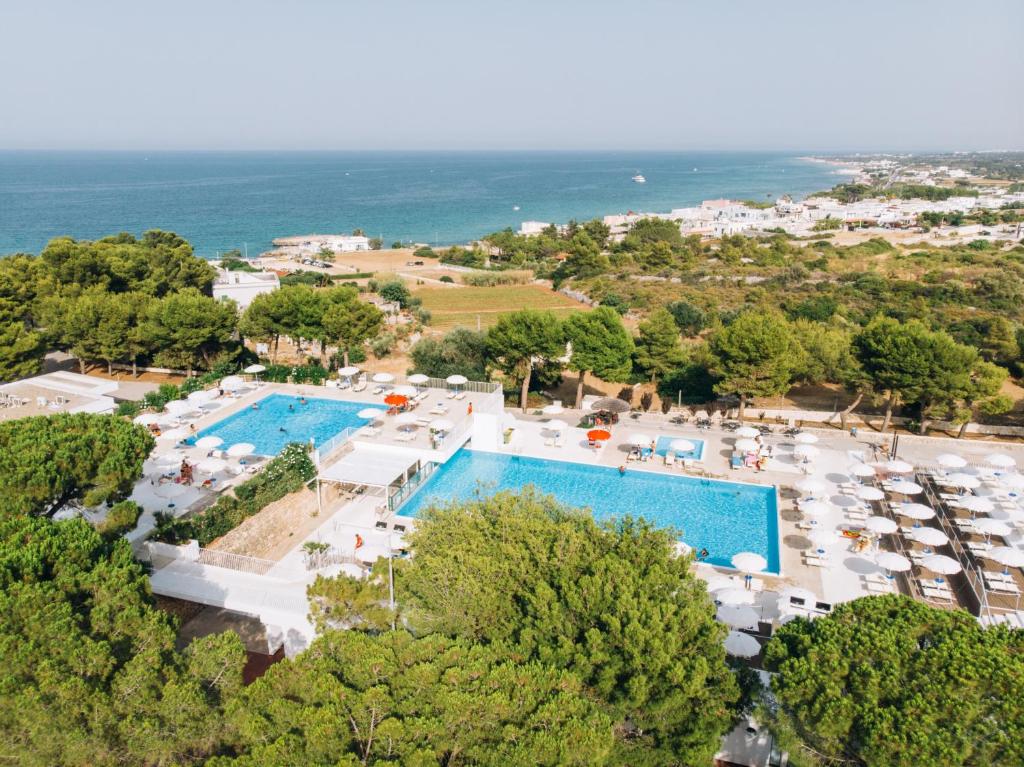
column 639, row 440
column 253, row 369
column 682, row 446
column 810, row 485
column 170, row 490
column 806, row 451
column 418, row 379
column 406, row 419
column 556, row 424
column 868, row 493
column 212, row 465
column 882, row 525
column 178, row 407
column 348, row 372
column 232, row 383
column 383, row 378
column 823, row 537
column 147, row 419
column 916, row 511
column 370, row 413
column 950, row 461
column 746, row 445
column 174, row 434
column 749, row 562
column 1013, row 481
column 966, row 481
column 720, row 582
column 861, row 470
column 747, row 432
column 1007, row 556
column 939, row 563
column 977, row 504
column 202, row 396
column 1014, row 516
column 404, row 390
column 240, row 449
column 741, row 645
column 738, row 616
column 734, row 596
column 456, row 380
column 905, row 487
column 209, row 442
column 896, row 466
column 929, row 536
column 989, row 527
column 890, row 560
column 441, row 424
column 552, row 410
column 796, row 592
column 816, row 508
column 1000, row 460
column 805, row 438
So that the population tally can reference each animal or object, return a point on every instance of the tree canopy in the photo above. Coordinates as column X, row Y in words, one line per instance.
column 658, row 348
column 756, row 356
column 519, row 342
column 349, row 322
column 459, row 352
column 600, row 345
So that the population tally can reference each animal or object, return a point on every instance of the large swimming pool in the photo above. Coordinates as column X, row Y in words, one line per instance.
column 282, row 418
column 723, row 517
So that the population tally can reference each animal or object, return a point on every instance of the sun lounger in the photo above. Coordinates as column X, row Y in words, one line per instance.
column 670, row 458
column 370, row 431
column 461, row 395
column 978, row 547
column 1003, row 587
column 377, row 390
column 405, row 436
column 876, row 583
column 359, row 386
column 813, row 560
column 451, row 395
column 935, row 591
column 438, row 410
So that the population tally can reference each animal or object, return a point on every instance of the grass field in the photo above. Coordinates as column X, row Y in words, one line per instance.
column 465, row 307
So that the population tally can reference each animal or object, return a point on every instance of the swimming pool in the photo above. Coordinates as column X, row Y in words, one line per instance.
column 282, row 418
column 697, row 454
column 723, row 517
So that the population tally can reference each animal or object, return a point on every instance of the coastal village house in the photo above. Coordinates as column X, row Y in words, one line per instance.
column 243, row 287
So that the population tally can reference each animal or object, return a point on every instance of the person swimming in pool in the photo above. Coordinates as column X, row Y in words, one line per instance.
column 282, row 429
column 302, row 400
column 702, row 554
column 291, row 408
column 622, row 471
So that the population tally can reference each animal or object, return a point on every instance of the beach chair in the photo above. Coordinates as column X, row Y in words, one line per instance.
column 451, row 394
column 813, row 560
column 359, row 385
column 377, row 390
column 549, row 442
column 935, row 591
column 670, row 458
column 460, row 395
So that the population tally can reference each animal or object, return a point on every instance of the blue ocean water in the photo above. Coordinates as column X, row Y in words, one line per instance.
column 281, row 419
column 723, row 517
column 225, row 200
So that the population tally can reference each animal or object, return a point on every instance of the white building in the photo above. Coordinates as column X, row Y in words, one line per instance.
column 243, row 287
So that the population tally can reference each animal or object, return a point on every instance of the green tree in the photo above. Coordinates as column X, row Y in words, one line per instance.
column 689, row 319
column 613, row 604
column 188, row 329
column 348, row 321
column 396, row 292
column 355, row 698
column 91, row 675
column 519, row 342
column 46, row 461
column 600, row 345
column 756, row 356
column 21, row 351
column 459, row 352
column 982, row 395
column 889, row 682
column 658, row 348
column 584, row 258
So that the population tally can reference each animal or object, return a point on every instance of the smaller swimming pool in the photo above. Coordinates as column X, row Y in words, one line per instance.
column 697, row 454
column 282, row 418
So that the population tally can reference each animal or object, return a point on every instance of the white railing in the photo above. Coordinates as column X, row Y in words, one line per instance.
column 476, row 387
column 240, row 562
column 402, row 494
column 320, row 452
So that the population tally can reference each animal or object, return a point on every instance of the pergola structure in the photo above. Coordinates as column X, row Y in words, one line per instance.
column 367, row 466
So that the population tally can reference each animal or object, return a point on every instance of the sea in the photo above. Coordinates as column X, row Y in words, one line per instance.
column 221, row 201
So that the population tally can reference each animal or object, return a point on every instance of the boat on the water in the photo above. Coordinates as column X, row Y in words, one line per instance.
column 639, row 179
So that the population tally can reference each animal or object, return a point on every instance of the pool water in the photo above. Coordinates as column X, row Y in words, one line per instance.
column 723, row 517
column 697, row 454
column 282, row 418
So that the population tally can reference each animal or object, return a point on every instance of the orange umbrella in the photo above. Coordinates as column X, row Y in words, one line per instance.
column 395, row 399
column 596, row 435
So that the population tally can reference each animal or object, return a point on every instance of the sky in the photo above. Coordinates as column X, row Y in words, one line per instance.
column 491, row 74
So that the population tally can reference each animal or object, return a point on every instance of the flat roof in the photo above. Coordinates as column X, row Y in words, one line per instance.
column 370, row 466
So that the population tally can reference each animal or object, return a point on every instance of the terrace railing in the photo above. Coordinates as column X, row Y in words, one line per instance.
column 322, row 451
column 240, row 562
column 397, row 498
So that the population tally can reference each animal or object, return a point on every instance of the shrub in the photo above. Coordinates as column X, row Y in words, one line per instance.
column 382, row 345
column 494, row 279
column 446, row 278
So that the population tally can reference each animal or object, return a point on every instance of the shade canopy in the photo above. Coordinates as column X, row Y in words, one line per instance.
column 896, row 466
column 992, row 527
column 212, row 465
column 734, row 595
column 682, row 446
column 209, row 442
column 961, row 479
column 383, row 378
column 823, row 536
column 240, row 449
column 738, row 616
column 369, row 413
column 1013, row 481
column 256, row 368
column 174, row 434
column 556, row 424
column 882, row 525
column 611, row 404
column 147, row 419
column 456, row 380
column 893, row 562
column 810, row 485
column 749, row 562
column 939, row 563
column 232, row 383
column 348, row 371
column 905, row 487
column 1000, row 460
column 598, row 435
column 805, row 438
column 977, row 504
column 179, row 407
column 1007, row 556
column 797, row 592
column 861, row 470
column 915, row 511
column 370, row 466
column 640, row 440
column 405, row 390
column 202, row 396
column 950, row 461
column 552, row 410
column 741, row 645
column 441, row 424
column 746, row 445
column 406, row 419
column 170, row 490
column 869, row 493
column 929, row 536
column 396, row 399
column 806, row 451
column 747, row 431
column 816, row 508
column 720, row 582
column 418, row 379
